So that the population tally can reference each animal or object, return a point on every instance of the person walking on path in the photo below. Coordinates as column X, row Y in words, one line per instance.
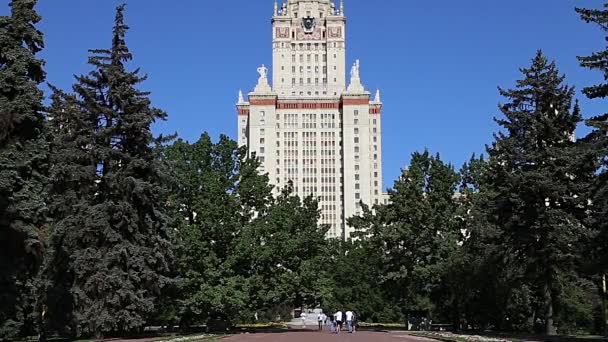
column 349, row 321
column 332, row 324
column 339, row 320
column 321, row 319
column 303, row 317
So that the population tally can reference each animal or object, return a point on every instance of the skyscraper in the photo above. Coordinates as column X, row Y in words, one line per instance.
column 309, row 127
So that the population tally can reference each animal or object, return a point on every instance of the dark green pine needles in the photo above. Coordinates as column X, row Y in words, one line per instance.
column 540, row 179
column 23, row 160
column 598, row 138
column 110, row 250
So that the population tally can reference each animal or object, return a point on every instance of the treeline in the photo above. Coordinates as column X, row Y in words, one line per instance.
column 106, row 229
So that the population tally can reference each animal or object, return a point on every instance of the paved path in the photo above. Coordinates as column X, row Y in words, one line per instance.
column 359, row 336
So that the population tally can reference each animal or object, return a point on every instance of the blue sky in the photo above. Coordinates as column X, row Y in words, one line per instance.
column 437, row 63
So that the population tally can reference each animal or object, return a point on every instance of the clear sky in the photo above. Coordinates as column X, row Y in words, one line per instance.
column 437, row 63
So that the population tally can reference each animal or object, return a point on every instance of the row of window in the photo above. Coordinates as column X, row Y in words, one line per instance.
column 308, row 68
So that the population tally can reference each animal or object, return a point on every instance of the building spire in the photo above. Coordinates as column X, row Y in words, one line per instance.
column 377, row 99
column 342, row 7
column 241, row 97
column 276, row 8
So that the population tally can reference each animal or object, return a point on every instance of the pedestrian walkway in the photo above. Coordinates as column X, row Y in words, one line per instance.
column 362, row 336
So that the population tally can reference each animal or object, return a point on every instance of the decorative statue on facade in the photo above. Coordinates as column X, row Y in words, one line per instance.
column 263, row 85
column 354, row 71
column 263, row 71
column 355, row 79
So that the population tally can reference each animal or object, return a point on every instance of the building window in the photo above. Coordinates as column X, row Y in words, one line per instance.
column 262, row 140
column 375, row 157
column 376, row 174
column 375, row 121
column 375, row 130
column 293, row 69
column 356, row 140
column 356, row 121
column 357, row 195
column 356, row 167
column 375, row 139
column 356, row 149
column 262, row 150
column 356, row 112
column 356, row 130
column 357, row 186
column 357, row 177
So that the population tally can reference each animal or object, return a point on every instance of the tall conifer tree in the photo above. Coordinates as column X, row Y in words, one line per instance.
column 22, row 165
column 114, row 227
column 598, row 139
column 539, row 179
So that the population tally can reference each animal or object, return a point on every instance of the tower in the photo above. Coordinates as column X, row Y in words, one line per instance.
column 310, row 128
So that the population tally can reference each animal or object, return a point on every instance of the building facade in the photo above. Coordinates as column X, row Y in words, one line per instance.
column 310, row 128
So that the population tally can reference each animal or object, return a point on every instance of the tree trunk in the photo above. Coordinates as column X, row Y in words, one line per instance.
column 548, row 302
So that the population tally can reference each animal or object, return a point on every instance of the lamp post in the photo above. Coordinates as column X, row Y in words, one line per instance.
column 605, row 304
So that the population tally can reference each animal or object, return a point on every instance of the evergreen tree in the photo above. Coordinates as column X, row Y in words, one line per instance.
column 598, row 140
column 71, row 189
column 111, row 246
column 23, row 161
column 539, row 178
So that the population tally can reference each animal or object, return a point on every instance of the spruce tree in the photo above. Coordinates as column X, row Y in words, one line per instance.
column 23, row 161
column 598, row 141
column 539, row 178
column 112, row 225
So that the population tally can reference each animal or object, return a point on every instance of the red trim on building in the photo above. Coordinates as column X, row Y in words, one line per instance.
column 243, row 111
column 308, row 105
column 355, row 102
column 377, row 109
column 262, row 102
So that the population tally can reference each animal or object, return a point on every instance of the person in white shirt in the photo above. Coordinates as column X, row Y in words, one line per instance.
column 339, row 320
column 321, row 317
column 349, row 321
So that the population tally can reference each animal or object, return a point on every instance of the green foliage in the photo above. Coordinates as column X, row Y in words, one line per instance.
column 598, row 138
column 597, row 141
column 23, row 164
column 540, row 179
column 110, row 255
column 241, row 251
column 416, row 234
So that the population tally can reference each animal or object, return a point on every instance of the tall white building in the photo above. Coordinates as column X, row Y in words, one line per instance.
column 310, row 127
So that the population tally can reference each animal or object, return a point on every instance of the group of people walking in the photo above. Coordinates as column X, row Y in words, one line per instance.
column 336, row 322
